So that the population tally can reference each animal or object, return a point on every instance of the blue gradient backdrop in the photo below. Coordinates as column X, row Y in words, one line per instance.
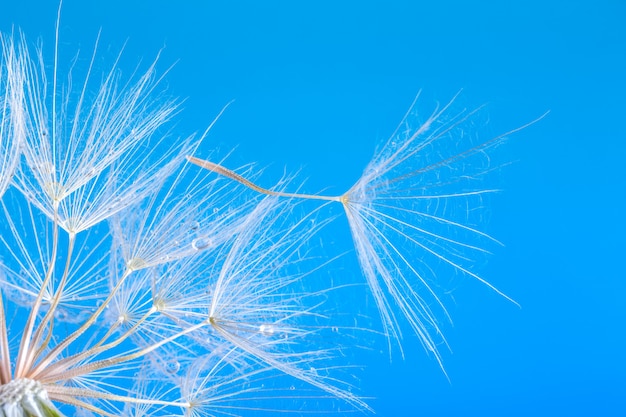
column 318, row 84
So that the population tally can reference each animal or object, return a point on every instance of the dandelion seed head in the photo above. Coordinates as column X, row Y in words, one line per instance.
column 141, row 285
column 27, row 395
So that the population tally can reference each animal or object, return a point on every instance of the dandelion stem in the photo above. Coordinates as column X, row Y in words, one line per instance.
column 218, row 169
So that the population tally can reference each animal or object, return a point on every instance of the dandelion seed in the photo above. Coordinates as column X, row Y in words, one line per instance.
column 96, row 160
column 406, row 218
column 251, row 290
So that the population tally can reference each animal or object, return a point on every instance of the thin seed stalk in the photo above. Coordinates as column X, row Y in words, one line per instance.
column 218, row 169
column 56, row 351
column 49, row 317
column 30, row 323
column 106, row 363
column 100, row 347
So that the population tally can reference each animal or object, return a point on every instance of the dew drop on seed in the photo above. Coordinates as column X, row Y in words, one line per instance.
column 90, row 171
column 200, row 243
column 266, row 329
column 172, row 367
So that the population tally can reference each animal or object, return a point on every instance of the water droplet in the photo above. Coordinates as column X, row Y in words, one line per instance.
column 172, row 367
column 200, row 243
column 60, row 314
column 44, row 167
column 90, row 171
column 335, row 329
column 266, row 329
column 194, row 225
column 292, row 388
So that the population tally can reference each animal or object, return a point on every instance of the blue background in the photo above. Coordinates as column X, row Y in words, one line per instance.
column 317, row 85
